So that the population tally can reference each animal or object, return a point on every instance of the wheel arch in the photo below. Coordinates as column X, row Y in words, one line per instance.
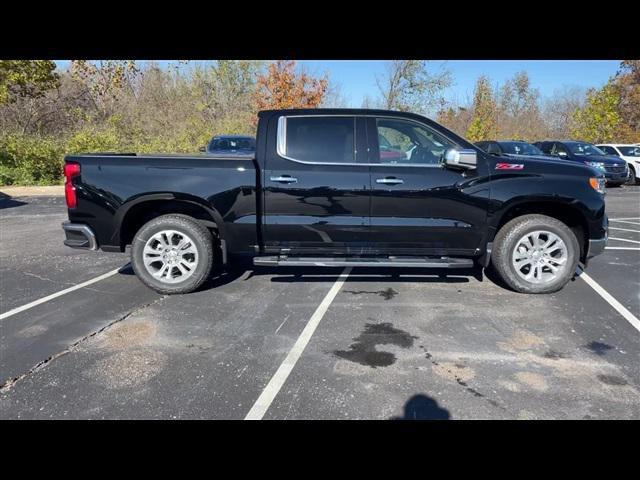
column 570, row 215
column 136, row 212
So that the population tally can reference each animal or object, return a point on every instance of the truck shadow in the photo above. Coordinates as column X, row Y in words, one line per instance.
column 244, row 271
column 8, row 202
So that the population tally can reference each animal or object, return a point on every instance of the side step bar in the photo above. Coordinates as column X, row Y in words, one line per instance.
column 417, row 262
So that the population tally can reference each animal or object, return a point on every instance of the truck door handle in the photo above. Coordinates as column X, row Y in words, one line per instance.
column 390, row 180
column 284, row 179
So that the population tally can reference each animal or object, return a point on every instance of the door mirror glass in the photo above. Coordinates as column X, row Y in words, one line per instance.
column 465, row 159
column 562, row 154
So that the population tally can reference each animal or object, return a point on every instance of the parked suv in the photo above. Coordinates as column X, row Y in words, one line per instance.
column 509, row 147
column 629, row 153
column 615, row 170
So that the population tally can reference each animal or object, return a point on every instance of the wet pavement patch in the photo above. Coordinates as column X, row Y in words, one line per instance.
column 598, row 348
column 612, row 380
column 363, row 350
column 387, row 294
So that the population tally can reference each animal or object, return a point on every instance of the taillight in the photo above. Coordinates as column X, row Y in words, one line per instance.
column 71, row 170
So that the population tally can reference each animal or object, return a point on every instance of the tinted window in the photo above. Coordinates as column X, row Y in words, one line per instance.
column 233, row 144
column 545, row 146
column 585, row 149
column 405, row 142
column 630, row 151
column 520, row 148
column 321, row 139
column 560, row 149
column 494, row 149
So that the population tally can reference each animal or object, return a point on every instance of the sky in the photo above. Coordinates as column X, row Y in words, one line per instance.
column 357, row 78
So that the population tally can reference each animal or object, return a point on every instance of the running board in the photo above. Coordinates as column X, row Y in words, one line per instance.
column 416, row 262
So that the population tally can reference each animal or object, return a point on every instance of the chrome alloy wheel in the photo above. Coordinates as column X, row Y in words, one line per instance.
column 539, row 257
column 170, row 256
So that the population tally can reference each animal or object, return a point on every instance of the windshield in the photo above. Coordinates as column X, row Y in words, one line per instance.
column 520, row 148
column 585, row 149
column 233, row 144
column 630, row 151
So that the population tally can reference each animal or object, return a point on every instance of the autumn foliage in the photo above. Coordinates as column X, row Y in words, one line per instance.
column 280, row 87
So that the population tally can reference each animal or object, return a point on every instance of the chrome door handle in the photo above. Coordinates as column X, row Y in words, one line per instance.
column 390, row 181
column 283, row 179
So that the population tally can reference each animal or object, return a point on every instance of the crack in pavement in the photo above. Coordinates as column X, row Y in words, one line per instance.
column 40, row 365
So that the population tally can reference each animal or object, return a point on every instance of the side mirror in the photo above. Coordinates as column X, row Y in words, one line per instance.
column 465, row 159
column 562, row 154
column 203, row 149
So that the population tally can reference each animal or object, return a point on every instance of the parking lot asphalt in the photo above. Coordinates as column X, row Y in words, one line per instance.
column 300, row 344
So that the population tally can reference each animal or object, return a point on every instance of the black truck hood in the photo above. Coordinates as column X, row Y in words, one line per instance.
column 546, row 164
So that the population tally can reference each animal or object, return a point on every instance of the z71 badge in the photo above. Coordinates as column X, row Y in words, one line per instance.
column 509, row 166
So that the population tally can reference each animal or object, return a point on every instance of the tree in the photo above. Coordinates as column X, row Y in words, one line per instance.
column 518, row 109
column 483, row 124
column 105, row 82
column 281, row 87
column 599, row 120
column 26, row 79
column 627, row 85
column 558, row 110
column 407, row 85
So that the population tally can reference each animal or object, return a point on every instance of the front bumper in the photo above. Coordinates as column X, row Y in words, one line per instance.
column 79, row 235
column 596, row 246
column 617, row 177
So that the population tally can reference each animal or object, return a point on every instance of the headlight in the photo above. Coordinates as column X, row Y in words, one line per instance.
column 598, row 184
column 597, row 165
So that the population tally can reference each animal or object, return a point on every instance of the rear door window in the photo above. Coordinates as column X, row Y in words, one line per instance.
column 319, row 139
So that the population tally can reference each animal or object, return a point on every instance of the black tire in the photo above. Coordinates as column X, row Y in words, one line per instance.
column 506, row 241
column 202, row 240
column 633, row 178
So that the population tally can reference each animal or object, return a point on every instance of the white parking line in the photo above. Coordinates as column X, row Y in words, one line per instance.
column 624, row 221
column 267, row 396
column 625, row 218
column 630, row 317
column 58, row 294
column 622, row 248
column 624, row 240
column 624, row 229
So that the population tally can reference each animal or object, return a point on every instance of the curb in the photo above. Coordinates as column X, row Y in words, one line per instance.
column 48, row 191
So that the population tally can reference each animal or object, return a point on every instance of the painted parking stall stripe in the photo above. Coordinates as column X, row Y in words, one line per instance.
column 624, row 240
column 269, row 393
column 624, row 221
column 630, row 317
column 42, row 300
column 624, row 229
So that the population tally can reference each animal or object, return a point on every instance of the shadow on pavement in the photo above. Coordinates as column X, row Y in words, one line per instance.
column 422, row 407
column 8, row 202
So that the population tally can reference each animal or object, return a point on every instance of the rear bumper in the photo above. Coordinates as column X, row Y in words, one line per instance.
column 79, row 235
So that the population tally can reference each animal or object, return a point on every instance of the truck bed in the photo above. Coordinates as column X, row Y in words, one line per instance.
column 113, row 186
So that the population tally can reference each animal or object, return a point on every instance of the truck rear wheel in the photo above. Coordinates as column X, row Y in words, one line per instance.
column 535, row 254
column 172, row 254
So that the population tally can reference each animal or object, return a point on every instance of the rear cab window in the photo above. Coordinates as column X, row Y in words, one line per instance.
column 318, row 139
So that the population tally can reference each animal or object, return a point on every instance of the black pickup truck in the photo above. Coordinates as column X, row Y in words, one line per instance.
column 340, row 187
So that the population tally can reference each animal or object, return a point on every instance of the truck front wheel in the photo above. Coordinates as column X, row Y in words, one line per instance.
column 535, row 254
column 172, row 254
